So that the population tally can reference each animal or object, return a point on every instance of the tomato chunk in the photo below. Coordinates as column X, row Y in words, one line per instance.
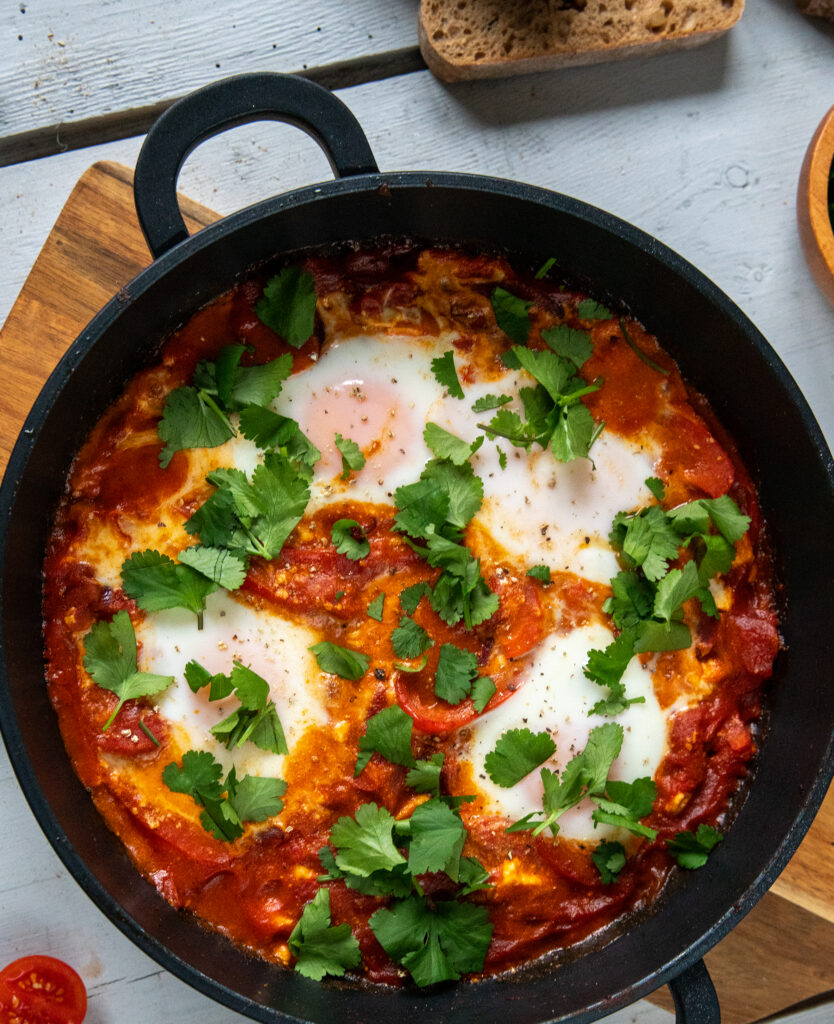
column 41, row 990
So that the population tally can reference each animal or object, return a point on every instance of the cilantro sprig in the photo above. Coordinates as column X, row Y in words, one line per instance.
column 288, row 305
column 256, row 720
column 110, row 659
column 554, row 415
column 352, row 457
column 433, row 513
column 228, row 803
column 320, row 947
column 648, row 597
column 340, row 661
column 435, row 940
column 350, row 539
column 443, row 368
column 512, row 314
column 252, row 516
column 585, row 774
column 156, row 582
column 517, row 753
column 197, row 415
column 691, row 849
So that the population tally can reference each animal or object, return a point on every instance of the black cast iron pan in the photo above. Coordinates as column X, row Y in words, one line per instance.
column 720, row 353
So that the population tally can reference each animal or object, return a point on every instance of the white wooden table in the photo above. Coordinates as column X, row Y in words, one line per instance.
column 700, row 148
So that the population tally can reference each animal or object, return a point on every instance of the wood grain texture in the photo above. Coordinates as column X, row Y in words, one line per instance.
column 94, row 249
column 812, row 210
column 769, row 961
column 71, row 61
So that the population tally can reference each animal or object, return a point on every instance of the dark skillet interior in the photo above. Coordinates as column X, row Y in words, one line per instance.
column 720, row 353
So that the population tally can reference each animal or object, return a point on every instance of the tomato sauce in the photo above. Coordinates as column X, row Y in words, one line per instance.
column 546, row 891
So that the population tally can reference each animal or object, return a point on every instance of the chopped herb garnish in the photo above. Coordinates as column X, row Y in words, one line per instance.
column 585, row 774
column 488, row 402
column 569, row 343
column 409, row 639
column 226, row 804
column 447, row 446
column 545, row 268
column 512, row 315
column 482, row 690
column 610, row 859
column 340, row 661
column 443, row 368
column 624, row 803
column 375, row 608
column 110, row 659
column 639, row 352
column 352, row 458
column 590, row 309
column 456, row 670
column 655, row 485
column 540, row 572
column 288, row 305
column 692, row 849
column 322, row 948
column 272, row 432
column 517, row 753
column 387, row 733
column 349, row 539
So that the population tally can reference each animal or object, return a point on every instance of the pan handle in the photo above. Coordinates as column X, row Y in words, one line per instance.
column 694, row 996
column 234, row 101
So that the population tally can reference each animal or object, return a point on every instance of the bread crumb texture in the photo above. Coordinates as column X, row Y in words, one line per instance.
column 470, row 37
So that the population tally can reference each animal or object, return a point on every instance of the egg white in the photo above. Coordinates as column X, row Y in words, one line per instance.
column 554, row 696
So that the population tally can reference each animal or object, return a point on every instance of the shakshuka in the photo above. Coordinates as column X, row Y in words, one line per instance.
column 408, row 618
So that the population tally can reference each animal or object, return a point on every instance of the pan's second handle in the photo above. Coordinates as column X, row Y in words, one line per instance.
column 234, row 101
column 694, row 996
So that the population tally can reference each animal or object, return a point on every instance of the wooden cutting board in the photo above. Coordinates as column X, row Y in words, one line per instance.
column 783, row 951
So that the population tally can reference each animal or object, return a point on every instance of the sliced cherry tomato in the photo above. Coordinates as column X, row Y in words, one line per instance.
column 41, row 990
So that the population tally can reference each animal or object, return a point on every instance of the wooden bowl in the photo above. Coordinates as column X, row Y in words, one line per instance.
column 815, row 230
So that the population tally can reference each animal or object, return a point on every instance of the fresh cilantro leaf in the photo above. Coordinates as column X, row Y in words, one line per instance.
column 320, row 947
column 488, row 402
column 517, row 753
column 631, row 601
column 676, row 587
column 569, row 343
column 156, row 582
column 337, row 597
column 715, row 556
column 425, row 775
column 545, row 268
column 447, row 446
column 340, row 661
column 624, row 803
column 655, row 485
column 574, row 433
column 269, row 430
column 589, row 309
column 396, row 882
column 257, row 385
column 610, row 859
column 443, row 368
column 473, row 876
column 650, row 542
column 436, row 943
column 456, row 669
column 607, row 667
column 418, row 666
column 692, row 849
column 463, row 488
column 256, row 799
column 349, row 539
column 250, row 799
column 511, row 426
column 540, row 572
column 661, row 636
column 584, row 774
column 256, row 720
column 375, row 607
column 220, row 685
column 365, row 845
column 411, row 596
column 288, row 305
column 437, row 838
column 723, row 512
column 409, row 639
column 512, row 315
column 502, row 457
column 555, row 374
column 110, row 659
column 387, row 733
column 352, row 457
column 225, row 568
column 191, row 419
column 482, row 690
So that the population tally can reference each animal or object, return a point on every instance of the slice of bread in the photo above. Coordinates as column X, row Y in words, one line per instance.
column 821, row 8
column 495, row 38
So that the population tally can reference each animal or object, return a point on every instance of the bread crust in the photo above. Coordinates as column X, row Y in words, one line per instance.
column 465, row 39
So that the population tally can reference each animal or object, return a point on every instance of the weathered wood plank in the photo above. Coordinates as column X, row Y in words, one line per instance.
column 73, row 61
